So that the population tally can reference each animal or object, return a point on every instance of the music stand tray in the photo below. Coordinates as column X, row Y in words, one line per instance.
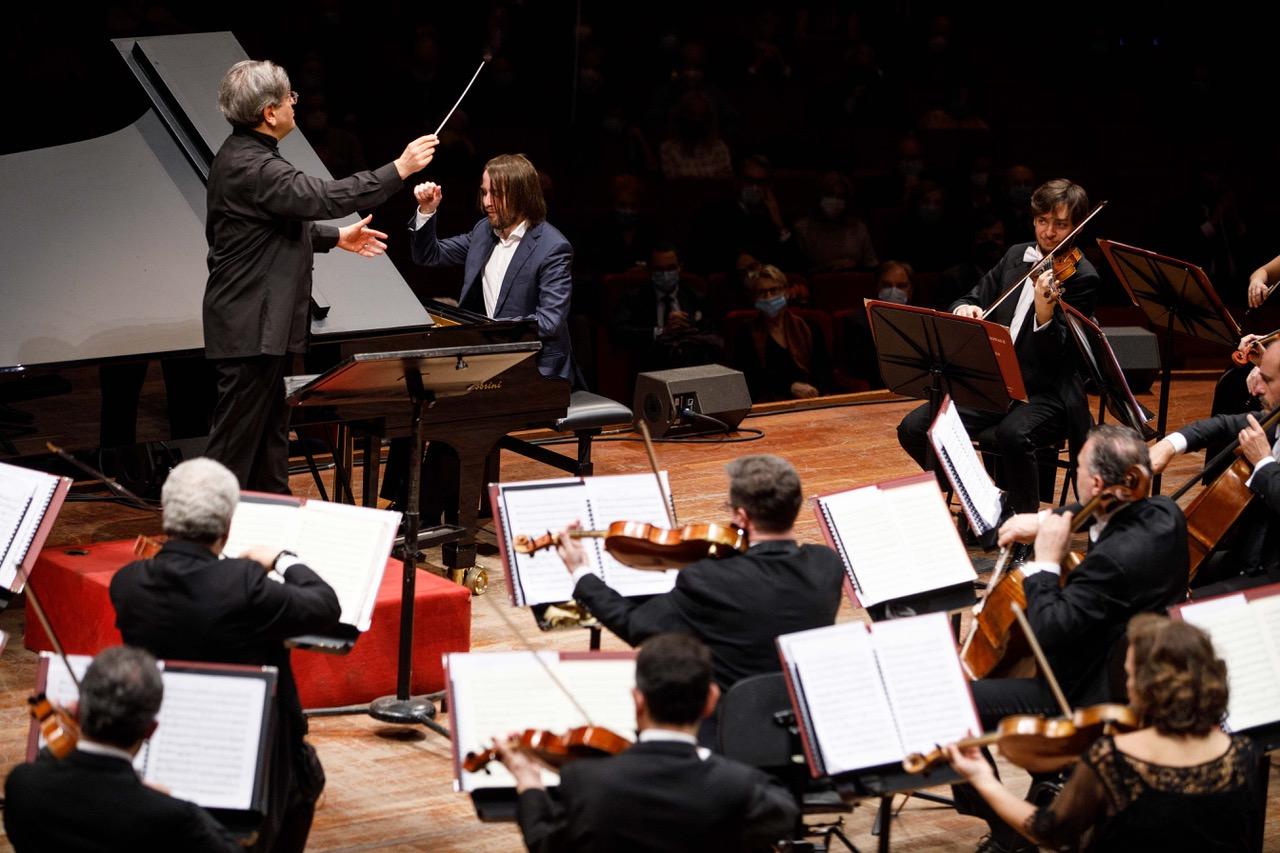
column 389, row 381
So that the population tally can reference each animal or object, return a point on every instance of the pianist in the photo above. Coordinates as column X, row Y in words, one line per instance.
column 262, row 234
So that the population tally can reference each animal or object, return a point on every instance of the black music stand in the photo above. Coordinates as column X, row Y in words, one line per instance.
column 928, row 354
column 1099, row 359
column 1176, row 296
column 383, row 381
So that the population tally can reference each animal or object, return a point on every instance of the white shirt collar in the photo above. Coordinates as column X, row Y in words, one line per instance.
column 515, row 234
column 650, row 735
column 95, row 748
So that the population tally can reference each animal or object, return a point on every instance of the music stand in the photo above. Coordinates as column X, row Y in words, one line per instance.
column 928, row 354
column 1104, row 369
column 1176, row 296
column 384, row 381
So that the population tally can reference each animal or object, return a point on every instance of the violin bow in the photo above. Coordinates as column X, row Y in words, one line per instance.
column 667, row 502
column 1047, row 260
column 1042, row 660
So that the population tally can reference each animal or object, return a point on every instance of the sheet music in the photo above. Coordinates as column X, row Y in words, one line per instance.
column 269, row 525
column 899, row 541
column 630, row 497
column 348, row 547
column 498, row 693
column 534, row 510
column 979, row 495
column 38, row 488
column 845, row 698
column 927, row 690
column 1241, row 640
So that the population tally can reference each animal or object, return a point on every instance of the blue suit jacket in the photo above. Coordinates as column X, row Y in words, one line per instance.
column 537, row 284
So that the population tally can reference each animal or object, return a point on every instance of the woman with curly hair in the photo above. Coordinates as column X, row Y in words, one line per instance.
column 1180, row 783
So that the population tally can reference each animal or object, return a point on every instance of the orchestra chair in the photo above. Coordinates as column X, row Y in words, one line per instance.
column 757, row 727
column 1050, row 459
column 587, row 416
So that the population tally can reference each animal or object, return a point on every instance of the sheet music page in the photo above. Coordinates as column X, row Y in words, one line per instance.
column 499, row 693
column 840, row 680
column 15, row 499
column 58, row 686
column 39, row 487
column 348, row 546
column 261, row 524
column 927, row 690
column 1240, row 639
column 630, row 497
column 969, row 478
column 206, row 745
column 900, row 541
column 534, row 509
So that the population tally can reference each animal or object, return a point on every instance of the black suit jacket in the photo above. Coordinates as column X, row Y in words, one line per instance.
column 97, row 803
column 261, row 238
column 1256, row 536
column 186, row 604
column 737, row 606
column 1048, row 358
column 1138, row 565
column 657, row 796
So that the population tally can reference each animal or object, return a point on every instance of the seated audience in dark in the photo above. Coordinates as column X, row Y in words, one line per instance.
column 752, row 222
column 783, row 355
column 663, row 322
column 832, row 237
column 986, row 248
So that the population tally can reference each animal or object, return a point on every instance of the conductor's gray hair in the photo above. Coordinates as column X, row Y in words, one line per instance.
column 119, row 696
column 199, row 497
column 248, row 88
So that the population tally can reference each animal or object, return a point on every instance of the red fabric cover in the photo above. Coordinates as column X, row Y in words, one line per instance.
column 73, row 582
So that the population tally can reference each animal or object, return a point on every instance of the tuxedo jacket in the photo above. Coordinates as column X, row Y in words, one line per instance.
column 1138, row 565
column 537, row 284
column 97, row 803
column 657, row 796
column 1047, row 358
column 1257, row 534
column 737, row 606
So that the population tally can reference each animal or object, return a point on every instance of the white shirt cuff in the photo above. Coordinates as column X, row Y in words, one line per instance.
column 286, row 562
column 1029, row 569
column 1262, row 463
column 1178, row 440
column 420, row 218
column 1035, row 324
column 580, row 573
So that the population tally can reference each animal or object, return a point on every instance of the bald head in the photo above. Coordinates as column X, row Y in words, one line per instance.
column 1269, row 374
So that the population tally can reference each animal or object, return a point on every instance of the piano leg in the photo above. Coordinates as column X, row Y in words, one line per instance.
column 473, row 446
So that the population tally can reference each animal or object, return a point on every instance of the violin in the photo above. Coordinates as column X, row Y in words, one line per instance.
column 1253, row 353
column 555, row 750
column 650, row 547
column 1040, row 744
column 146, row 547
column 992, row 648
column 1065, row 265
column 58, row 728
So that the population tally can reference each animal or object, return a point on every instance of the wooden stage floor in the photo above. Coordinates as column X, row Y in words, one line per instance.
column 389, row 789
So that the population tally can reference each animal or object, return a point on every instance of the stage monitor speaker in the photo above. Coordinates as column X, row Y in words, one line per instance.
column 691, row 399
column 1138, row 352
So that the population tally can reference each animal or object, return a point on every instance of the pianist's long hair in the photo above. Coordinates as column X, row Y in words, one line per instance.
column 515, row 183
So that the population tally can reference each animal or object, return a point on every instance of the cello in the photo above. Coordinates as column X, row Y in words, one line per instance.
column 991, row 649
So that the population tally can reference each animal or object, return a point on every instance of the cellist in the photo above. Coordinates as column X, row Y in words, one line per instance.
column 1136, row 562
column 1250, row 553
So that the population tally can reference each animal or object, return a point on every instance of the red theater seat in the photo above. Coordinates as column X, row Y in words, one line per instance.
column 73, row 585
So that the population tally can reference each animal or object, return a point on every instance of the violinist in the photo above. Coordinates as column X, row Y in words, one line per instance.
column 187, row 604
column 93, row 799
column 1136, row 562
column 737, row 605
column 1251, row 552
column 664, row 793
column 1056, row 406
column 1178, row 784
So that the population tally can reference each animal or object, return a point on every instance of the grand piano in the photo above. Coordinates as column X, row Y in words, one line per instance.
column 125, row 283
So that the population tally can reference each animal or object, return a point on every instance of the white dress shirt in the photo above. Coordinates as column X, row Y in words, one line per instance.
column 496, row 268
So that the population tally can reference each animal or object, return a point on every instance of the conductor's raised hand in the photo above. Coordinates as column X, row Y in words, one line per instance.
column 428, row 196
column 570, row 549
column 417, row 154
column 362, row 239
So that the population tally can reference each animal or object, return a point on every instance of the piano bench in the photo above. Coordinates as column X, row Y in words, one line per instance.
column 587, row 416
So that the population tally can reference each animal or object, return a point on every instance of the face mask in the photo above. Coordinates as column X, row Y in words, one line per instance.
column 626, row 216
column 979, row 180
column 911, row 168
column 772, row 307
column 752, row 195
column 665, row 281
column 831, row 205
column 930, row 213
column 893, row 294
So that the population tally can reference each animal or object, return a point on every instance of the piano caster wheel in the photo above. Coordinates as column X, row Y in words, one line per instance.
column 477, row 580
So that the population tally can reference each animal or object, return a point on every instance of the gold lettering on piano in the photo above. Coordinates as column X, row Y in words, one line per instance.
column 491, row 385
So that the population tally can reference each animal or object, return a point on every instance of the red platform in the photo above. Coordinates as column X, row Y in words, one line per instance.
column 73, row 585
